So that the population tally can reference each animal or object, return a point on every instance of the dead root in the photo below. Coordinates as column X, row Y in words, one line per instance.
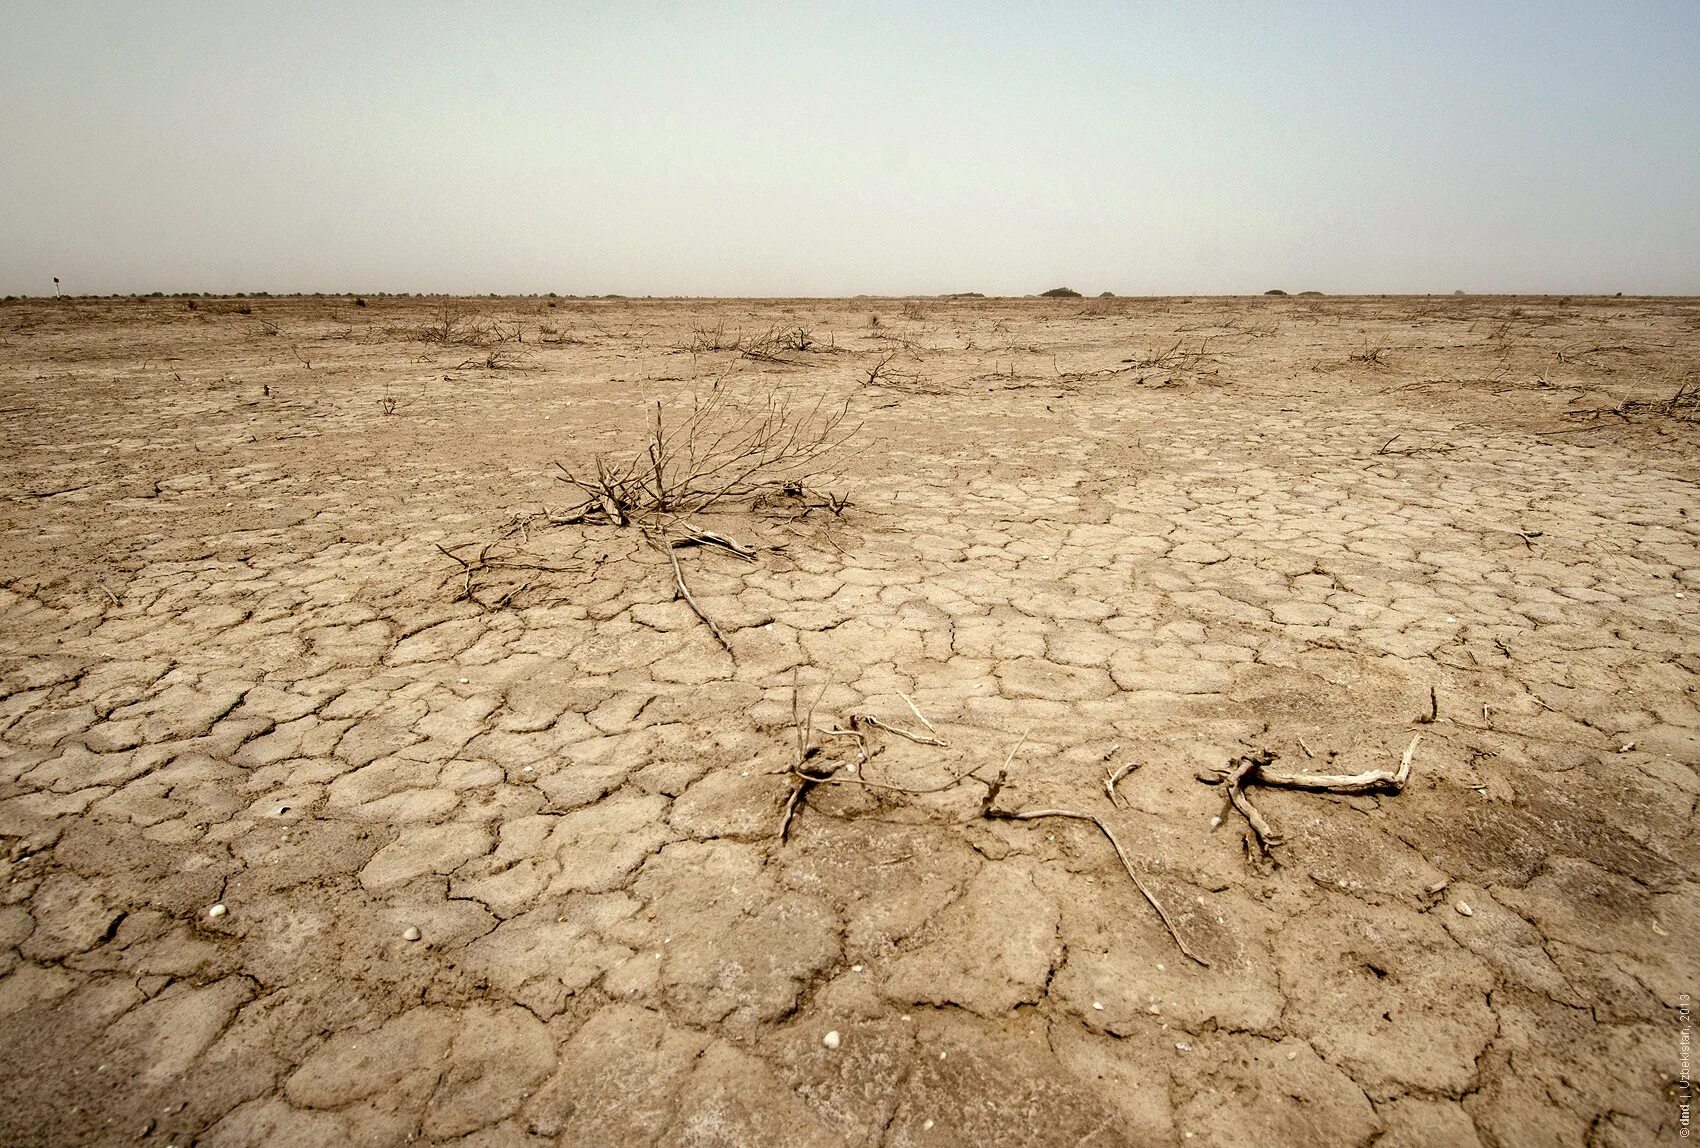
column 1254, row 768
column 806, row 778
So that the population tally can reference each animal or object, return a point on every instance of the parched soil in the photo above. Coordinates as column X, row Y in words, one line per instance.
column 237, row 669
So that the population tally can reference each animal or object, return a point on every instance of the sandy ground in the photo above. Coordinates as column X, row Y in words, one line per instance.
column 237, row 670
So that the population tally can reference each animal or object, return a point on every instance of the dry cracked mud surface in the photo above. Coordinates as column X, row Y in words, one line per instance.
column 237, row 670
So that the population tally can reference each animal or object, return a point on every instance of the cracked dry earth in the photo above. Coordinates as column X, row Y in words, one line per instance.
column 236, row 670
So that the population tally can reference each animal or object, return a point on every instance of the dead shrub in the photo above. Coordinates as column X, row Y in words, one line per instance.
column 723, row 447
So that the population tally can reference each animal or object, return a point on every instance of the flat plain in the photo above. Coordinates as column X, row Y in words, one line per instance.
column 349, row 793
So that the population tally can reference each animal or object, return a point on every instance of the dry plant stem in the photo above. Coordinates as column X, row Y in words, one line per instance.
column 1254, row 768
column 912, row 791
column 1262, row 831
column 697, row 536
column 1370, row 782
column 804, row 724
column 921, row 717
column 805, row 782
column 1150, row 898
column 1111, row 778
column 861, row 741
column 685, row 593
column 917, row 738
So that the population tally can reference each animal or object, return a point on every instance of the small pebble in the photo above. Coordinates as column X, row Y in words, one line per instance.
column 463, row 681
column 855, row 968
column 1182, row 1046
column 1292, row 1056
column 411, row 933
column 1215, row 821
column 831, row 1039
column 1098, row 1006
column 217, row 911
column 926, row 1126
column 1464, row 909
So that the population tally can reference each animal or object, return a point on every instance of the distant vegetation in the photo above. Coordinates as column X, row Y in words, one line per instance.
column 1274, row 291
column 1060, row 293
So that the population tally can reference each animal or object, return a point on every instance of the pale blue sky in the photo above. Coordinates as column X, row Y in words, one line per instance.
column 829, row 149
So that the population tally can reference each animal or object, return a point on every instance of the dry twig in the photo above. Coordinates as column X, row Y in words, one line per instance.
column 1254, row 769
column 1144, row 891
column 685, row 593
column 1111, row 777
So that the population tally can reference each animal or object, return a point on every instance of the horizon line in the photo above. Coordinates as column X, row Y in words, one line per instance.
column 953, row 296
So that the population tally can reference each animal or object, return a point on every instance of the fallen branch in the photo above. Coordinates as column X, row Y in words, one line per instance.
column 917, row 738
column 685, row 593
column 1263, row 834
column 1111, row 777
column 1150, row 898
column 697, row 536
column 489, row 559
column 921, row 717
column 1254, row 769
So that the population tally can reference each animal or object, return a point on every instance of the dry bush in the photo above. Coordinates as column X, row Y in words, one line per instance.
column 1683, row 406
column 724, row 447
column 1175, row 357
column 715, row 338
column 496, row 359
column 884, row 371
column 1685, row 403
column 458, row 324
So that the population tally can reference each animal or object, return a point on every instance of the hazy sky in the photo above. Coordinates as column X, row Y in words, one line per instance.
column 826, row 149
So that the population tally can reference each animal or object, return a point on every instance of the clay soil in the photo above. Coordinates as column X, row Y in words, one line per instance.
column 237, row 670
